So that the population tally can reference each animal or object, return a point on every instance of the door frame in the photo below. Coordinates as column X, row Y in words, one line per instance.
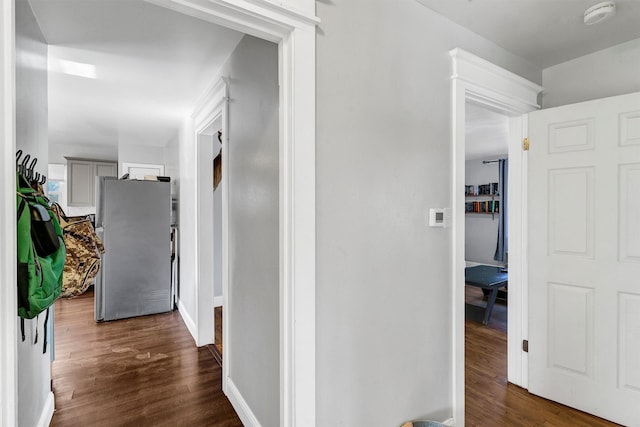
column 294, row 32
column 8, row 294
column 213, row 106
column 479, row 81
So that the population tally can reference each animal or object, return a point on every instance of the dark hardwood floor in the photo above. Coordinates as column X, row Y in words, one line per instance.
column 135, row 372
column 147, row 372
column 490, row 400
column 216, row 349
column 218, row 327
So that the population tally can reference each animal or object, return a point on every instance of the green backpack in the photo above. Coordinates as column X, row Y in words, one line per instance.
column 41, row 254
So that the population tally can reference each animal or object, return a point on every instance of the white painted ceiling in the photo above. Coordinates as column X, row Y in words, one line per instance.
column 151, row 65
column 486, row 133
column 544, row 32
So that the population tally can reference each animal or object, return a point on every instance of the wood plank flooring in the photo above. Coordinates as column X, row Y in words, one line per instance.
column 218, row 329
column 147, row 372
column 216, row 349
column 135, row 372
column 490, row 400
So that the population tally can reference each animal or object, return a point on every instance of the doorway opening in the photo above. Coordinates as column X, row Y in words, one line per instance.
column 218, row 288
column 486, row 251
column 212, row 232
column 483, row 83
column 486, row 237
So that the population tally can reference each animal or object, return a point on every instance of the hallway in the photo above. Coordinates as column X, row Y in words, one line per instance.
column 135, row 372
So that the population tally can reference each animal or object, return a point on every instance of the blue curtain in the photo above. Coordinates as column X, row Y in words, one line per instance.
column 503, row 238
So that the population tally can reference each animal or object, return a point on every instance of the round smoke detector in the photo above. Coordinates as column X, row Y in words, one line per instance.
column 599, row 12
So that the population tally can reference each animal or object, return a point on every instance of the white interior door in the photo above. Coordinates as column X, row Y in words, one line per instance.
column 584, row 265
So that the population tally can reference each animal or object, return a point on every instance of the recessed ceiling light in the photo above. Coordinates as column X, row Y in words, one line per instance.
column 599, row 12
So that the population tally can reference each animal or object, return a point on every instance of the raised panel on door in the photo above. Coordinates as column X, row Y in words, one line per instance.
column 571, row 211
column 629, row 213
column 80, row 182
column 584, row 256
column 629, row 339
column 630, row 128
column 106, row 169
column 570, row 322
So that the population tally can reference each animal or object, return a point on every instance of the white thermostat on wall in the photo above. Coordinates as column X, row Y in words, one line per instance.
column 438, row 217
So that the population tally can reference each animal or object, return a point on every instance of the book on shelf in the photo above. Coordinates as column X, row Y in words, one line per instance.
column 489, row 206
column 490, row 189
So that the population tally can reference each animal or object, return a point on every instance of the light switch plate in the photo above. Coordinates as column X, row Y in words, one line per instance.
column 439, row 217
column 436, row 217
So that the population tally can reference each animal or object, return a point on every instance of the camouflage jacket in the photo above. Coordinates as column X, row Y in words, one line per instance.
column 83, row 253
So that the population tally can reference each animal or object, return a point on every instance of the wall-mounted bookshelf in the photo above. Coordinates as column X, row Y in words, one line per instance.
column 483, row 199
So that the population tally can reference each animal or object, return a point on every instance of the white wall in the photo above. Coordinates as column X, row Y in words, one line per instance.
column 383, row 150
column 31, row 87
column 58, row 152
column 132, row 153
column 481, row 231
column 609, row 72
column 34, row 374
column 253, row 296
column 187, row 221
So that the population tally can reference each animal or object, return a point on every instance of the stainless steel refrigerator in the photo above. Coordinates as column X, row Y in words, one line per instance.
column 133, row 219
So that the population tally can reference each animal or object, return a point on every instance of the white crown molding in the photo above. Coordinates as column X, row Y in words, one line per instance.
column 216, row 93
column 517, row 93
column 293, row 13
column 260, row 18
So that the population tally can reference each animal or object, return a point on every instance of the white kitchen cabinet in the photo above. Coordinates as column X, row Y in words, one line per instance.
column 81, row 179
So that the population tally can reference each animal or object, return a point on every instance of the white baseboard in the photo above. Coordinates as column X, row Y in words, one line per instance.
column 241, row 406
column 449, row 422
column 188, row 321
column 218, row 301
column 47, row 411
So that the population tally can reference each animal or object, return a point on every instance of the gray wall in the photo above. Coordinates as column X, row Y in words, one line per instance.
column 34, row 375
column 383, row 295
column 57, row 152
column 254, row 360
column 609, row 72
column 132, row 153
column 32, row 123
column 481, row 231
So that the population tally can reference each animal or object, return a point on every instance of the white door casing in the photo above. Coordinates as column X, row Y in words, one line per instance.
column 8, row 294
column 211, row 108
column 140, row 170
column 584, row 227
column 477, row 80
column 294, row 31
